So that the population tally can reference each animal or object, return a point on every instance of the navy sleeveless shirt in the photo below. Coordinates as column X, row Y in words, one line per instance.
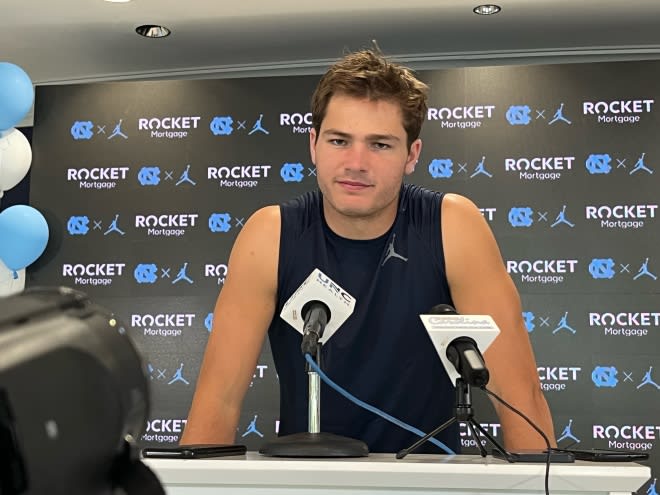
column 381, row 354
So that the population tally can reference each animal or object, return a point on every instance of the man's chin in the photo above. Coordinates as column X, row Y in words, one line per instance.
column 355, row 211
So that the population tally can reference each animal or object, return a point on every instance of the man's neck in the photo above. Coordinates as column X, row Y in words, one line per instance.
column 360, row 228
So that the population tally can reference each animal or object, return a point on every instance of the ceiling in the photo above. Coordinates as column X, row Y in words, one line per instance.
column 75, row 41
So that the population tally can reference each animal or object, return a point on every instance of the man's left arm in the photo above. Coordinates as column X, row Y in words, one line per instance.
column 480, row 284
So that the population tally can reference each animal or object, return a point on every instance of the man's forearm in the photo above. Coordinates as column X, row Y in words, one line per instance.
column 518, row 434
column 215, row 427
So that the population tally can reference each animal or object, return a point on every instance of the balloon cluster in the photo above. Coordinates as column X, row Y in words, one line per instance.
column 23, row 230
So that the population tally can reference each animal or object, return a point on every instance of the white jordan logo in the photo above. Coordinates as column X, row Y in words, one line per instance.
column 391, row 253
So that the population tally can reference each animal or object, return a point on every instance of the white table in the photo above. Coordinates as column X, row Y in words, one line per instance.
column 382, row 474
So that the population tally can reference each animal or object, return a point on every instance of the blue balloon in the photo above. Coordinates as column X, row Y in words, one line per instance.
column 23, row 236
column 16, row 95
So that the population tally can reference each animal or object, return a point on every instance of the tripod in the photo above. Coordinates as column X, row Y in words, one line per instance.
column 462, row 413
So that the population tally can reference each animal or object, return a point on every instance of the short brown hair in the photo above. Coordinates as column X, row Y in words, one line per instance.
column 367, row 74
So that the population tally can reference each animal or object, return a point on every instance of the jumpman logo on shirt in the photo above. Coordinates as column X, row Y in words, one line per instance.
column 391, row 253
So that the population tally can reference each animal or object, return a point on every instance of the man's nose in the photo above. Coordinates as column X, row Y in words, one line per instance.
column 356, row 157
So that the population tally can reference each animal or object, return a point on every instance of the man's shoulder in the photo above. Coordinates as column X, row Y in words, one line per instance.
column 301, row 213
column 303, row 202
column 413, row 193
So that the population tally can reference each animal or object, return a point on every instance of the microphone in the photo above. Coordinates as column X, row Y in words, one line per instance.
column 317, row 309
column 458, row 340
column 316, row 316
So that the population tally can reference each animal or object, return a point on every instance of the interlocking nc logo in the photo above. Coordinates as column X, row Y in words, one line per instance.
column 82, row 130
column 146, row 273
column 222, row 125
column 441, row 168
column 78, row 225
column 521, row 217
column 220, row 222
column 599, row 164
column 528, row 318
column 604, row 376
column 208, row 322
column 292, row 172
column 601, row 268
column 149, row 176
column 519, row 115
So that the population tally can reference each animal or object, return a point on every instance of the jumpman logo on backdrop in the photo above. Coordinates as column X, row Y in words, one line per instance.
column 117, row 131
column 644, row 270
column 563, row 325
column 252, row 428
column 561, row 218
column 647, row 380
column 559, row 115
column 258, row 127
column 185, row 177
column 481, row 169
column 567, row 433
column 178, row 376
column 182, row 275
column 391, row 253
column 113, row 227
column 640, row 166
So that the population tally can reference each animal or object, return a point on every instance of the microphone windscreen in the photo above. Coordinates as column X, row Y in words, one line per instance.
column 442, row 309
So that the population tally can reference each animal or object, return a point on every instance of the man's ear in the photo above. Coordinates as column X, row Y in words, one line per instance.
column 312, row 145
column 413, row 156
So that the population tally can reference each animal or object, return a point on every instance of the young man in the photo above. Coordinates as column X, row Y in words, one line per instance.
column 398, row 249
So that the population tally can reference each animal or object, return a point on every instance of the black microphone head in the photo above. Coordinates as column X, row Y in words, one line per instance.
column 310, row 305
column 442, row 309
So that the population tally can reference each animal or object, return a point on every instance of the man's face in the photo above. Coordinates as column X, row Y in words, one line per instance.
column 361, row 155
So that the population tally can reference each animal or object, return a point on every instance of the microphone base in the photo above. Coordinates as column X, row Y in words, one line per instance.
column 307, row 444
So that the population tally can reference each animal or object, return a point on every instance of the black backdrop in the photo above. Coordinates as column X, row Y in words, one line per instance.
column 562, row 160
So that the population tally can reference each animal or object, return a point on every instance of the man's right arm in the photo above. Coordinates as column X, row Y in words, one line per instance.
column 242, row 315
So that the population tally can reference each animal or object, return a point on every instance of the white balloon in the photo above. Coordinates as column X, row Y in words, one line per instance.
column 15, row 158
column 8, row 284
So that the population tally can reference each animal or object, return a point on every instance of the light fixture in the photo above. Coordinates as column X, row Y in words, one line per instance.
column 118, row 1
column 487, row 9
column 152, row 31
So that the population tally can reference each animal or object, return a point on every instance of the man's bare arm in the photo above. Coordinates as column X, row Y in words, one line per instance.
column 242, row 314
column 480, row 284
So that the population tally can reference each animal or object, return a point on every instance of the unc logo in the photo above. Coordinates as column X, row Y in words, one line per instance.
column 149, row 176
column 528, row 317
column 82, row 130
column 145, row 273
column 219, row 222
column 521, row 217
column 599, row 164
column 604, row 376
column 208, row 322
column 441, row 168
column 292, row 172
column 602, row 268
column 222, row 126
column 518, row 115
column 78, row 225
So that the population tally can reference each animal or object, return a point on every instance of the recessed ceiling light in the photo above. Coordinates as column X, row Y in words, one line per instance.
column 487, row 9
column 118, row 1
column 152, row 31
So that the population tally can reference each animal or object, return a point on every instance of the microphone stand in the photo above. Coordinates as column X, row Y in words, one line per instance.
column 314, row 442
column 463, row 413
